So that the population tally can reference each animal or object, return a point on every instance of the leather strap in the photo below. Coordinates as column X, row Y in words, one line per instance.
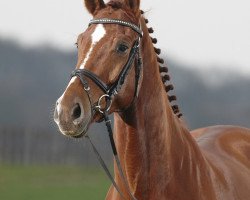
column 104, row 166
column 117, row 21
column 84, row 72
column 116, row 87
column 118, row 163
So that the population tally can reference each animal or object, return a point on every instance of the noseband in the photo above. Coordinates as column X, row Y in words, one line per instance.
column 110, row 91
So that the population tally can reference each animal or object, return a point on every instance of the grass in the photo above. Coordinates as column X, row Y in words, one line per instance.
column 52, row 183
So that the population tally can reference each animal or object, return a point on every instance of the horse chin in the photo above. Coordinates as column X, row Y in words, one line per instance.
column 77, row 133
column 81, row 133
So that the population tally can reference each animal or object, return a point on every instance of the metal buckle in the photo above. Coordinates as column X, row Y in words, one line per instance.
column 86, row 88
column 108, row 104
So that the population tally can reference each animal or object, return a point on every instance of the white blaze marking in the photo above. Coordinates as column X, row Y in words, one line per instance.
column 58, row 107
column 96, row 36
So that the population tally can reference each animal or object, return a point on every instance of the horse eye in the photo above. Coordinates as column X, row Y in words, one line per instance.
column 122, row 48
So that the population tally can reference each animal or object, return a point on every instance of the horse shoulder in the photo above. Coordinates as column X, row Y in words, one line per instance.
column 229, row 140
column 227, row 151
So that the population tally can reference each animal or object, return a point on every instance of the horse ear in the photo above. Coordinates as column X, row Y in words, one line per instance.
column 134, row 5
column 94, row 5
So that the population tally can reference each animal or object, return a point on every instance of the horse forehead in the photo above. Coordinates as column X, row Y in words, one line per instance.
column 98, row 33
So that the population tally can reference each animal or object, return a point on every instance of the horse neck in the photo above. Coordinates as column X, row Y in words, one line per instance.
column 154, row 147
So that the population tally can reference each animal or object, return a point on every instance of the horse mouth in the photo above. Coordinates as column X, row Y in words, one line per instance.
column 79, row 133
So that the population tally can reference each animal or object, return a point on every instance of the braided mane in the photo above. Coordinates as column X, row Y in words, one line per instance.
column 164, row 74
column 162, row 68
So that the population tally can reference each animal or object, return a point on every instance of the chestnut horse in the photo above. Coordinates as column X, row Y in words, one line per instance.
column 160, row 158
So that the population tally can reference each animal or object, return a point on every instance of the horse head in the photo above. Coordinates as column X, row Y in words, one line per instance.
column 104, row 79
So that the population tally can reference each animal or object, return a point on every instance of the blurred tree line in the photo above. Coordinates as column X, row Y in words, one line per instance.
column 31, row 79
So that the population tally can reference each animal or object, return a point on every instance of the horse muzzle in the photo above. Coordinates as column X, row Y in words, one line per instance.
column 71, row 117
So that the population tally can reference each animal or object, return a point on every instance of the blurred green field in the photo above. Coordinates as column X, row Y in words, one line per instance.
column 52, row 183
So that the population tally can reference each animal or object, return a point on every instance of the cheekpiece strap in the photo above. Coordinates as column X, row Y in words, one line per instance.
column 117, row 21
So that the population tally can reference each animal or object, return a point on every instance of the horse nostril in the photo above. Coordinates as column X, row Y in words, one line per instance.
column 76, row 112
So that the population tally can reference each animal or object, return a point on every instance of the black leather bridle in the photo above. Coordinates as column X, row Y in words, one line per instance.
column 110, row 91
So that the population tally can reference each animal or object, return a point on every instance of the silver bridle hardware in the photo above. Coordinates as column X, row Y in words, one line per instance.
column 108, row 103
column 117, row 21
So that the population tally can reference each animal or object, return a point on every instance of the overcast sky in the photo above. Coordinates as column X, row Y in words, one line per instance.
column 196, row 32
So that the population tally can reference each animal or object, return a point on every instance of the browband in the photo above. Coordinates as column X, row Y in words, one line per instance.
column 117, row 21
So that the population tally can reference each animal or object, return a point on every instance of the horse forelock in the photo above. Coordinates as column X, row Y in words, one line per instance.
column 115, row 4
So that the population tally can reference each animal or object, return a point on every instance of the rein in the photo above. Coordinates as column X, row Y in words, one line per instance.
column 110, row 91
